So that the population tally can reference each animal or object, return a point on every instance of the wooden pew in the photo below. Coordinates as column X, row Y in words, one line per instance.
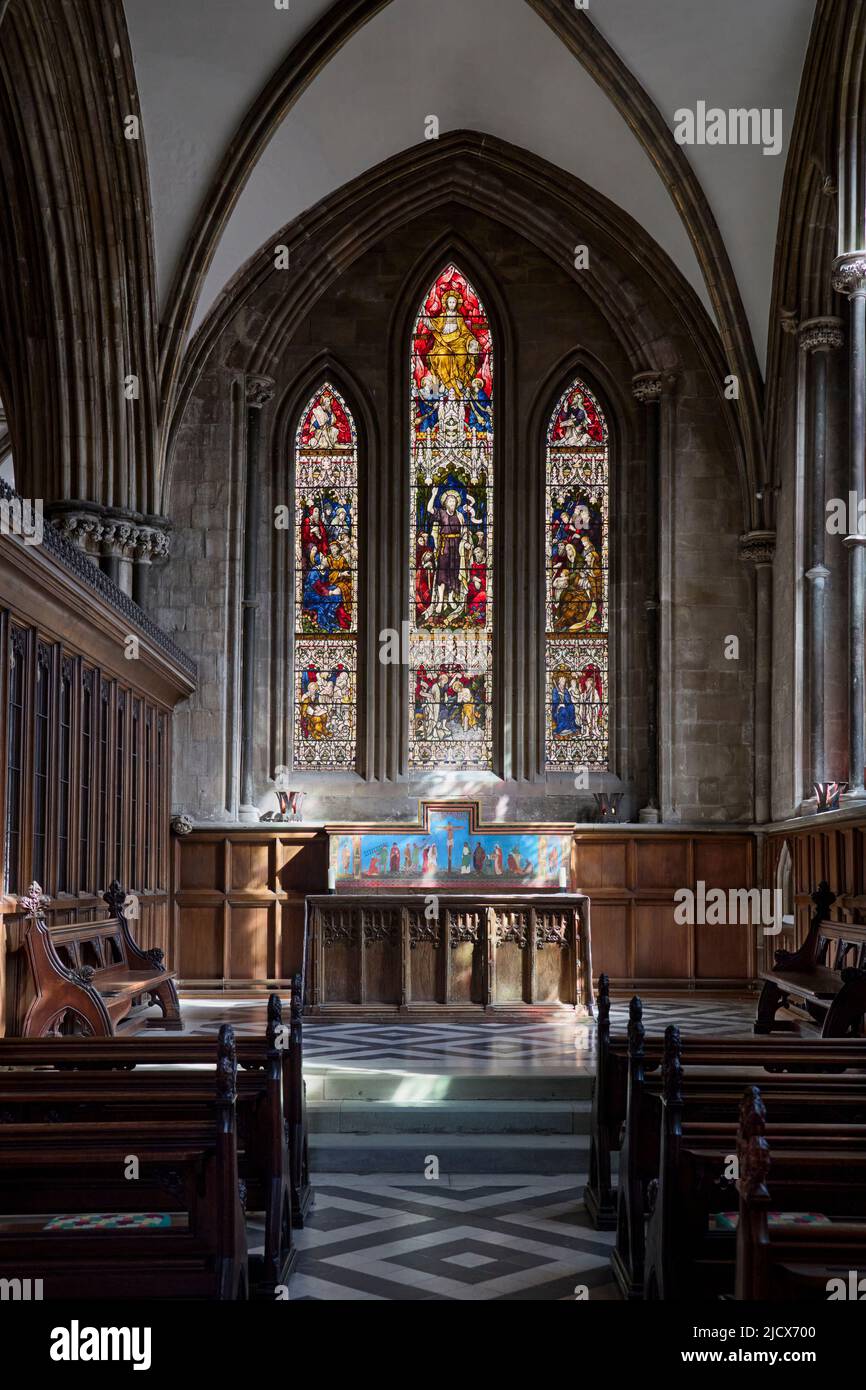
column 90, row 1094
column 187, row 1179
column 822, row 1167
column 783, row 1261
column 87, row 976
column 826, row 976
column 127, row 1053
column 787, row 1054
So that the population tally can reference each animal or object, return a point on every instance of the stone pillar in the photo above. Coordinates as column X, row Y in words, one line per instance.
column 647, row 389
column 817, row 337
column 849, row 278
column 259, row 390
column 759, row 548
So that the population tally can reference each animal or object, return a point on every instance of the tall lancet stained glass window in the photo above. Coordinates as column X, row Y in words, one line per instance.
column 451, row 530
column 576, row 584
column 326, row 584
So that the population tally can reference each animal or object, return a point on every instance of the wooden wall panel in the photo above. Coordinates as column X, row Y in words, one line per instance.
column 250, row 885
column 663, row 948
column 600, row 864
column 202, row 865
column 661, row 863
column 251, row 944
column 199, row 950
column 611, row 949
column 252, row 865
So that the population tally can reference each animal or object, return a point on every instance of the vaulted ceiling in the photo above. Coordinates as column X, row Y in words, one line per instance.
column 494, row 66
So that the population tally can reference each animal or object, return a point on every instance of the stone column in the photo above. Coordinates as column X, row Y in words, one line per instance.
column 647, row 389
column 259, row 390
column 759, row 548
column 817, row 337
column 849, row 278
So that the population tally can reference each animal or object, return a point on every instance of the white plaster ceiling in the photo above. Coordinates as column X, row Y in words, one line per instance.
column 488, row 65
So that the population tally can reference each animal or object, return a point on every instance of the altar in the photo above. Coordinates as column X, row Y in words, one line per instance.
column 456, row 957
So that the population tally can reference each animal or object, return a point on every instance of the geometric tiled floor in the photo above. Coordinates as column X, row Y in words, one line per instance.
column 475, row 1239
column 559, row 1045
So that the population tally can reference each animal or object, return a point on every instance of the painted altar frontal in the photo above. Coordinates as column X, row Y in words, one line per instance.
column 449, row 847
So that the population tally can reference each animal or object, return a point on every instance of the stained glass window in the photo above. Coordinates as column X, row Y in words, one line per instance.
column 576, row 583
column 451, row 530
column 326, row 584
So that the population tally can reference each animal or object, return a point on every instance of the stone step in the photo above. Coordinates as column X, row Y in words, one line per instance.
column 449, row 1117
column 530, row 1154
column 421, row 1088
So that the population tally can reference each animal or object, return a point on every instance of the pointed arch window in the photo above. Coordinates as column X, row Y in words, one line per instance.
column 451, row 530
column 576, row 584
column 326, row 585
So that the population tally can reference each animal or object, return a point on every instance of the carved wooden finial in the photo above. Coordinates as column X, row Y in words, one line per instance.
column 823, row 898
column 227, row 1064
column 754, row 1157
column 275, row 1018
column 753, row 1152
column 297, row 1004
column 603, row 998
column 672, row 1066
column 33, row 901
column 635, row 1028
column 115, row 896
column 753, row 1114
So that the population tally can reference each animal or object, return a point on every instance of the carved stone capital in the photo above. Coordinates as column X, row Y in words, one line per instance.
column 849, row 273
column 649, row 387
column 181, row 824
column 816, row 335
column 758, row 547
column 259, row 390
column 101, row 531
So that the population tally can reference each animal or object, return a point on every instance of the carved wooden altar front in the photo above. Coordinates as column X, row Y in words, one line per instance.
column 454, row 957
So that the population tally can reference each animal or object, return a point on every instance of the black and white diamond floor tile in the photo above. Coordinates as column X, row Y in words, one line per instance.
column 478, row 1238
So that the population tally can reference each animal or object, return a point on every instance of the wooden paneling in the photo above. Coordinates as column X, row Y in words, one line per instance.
column 245, row 890
column 85, row 764
column 632, row 877
column 830, row 848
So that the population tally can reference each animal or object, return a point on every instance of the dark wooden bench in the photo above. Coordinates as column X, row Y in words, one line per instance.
column 826, row 977
column 87, row 976
column 785, row 1261
column 788, row 1054
column 38, row 1093
column 187, row 1185
column 689, row 1249
column 144, row 1050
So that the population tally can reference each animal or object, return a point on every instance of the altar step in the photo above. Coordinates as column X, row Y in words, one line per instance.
column 484, row 1134
column 449, row 1117
column 407, row 1089
column 544, row 1154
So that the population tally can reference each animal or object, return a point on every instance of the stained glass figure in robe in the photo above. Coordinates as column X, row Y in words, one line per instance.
column 576, row 599
column 451, row 536
column 326, row 502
